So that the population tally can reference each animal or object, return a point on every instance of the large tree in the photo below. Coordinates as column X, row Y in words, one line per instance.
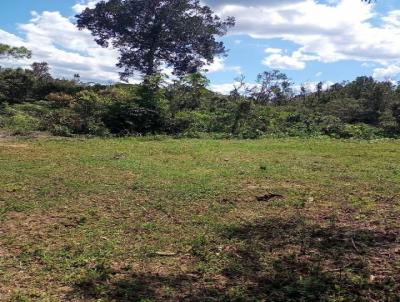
column 151, row 34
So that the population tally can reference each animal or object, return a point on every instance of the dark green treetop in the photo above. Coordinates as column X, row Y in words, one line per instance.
column 151, row 34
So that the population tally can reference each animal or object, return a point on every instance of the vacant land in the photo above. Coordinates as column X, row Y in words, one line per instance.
column 199, row 220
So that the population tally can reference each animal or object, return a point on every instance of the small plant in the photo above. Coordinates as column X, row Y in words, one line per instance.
column 21, row 124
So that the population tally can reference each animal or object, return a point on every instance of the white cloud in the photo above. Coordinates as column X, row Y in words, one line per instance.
column 222, row 88
column 53, row 38
column 392, row 20
column 318, row 74
column 311, row 86
column 80, row 7
column 278, row 61
column 367, row 65
column 226, row 88
column 219, row 66
column 273, row 50
column 324, row 32
column 387, row 72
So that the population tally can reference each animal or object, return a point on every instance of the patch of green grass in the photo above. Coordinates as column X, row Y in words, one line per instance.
column 141, row 219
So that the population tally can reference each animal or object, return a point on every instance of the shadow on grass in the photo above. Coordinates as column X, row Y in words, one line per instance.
column 291, row 260
column 273, row 260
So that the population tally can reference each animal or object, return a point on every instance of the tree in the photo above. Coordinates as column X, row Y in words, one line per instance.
column 188, row 92
column 303, row 92
column 41, row 70
column 14, row 52
column 43, row 80
column 320, row 86
column 16, row 85
column 272, row 87
column 149, row 34
column 240, row 97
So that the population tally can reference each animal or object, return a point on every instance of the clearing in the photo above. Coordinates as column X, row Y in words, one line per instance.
column 158, row 219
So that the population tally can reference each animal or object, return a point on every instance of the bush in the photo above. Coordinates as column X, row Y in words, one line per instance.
column 348, row 110
column 21, row 124
column 60, row 99
column 250, row 133
column 128, row 118
column 190, row 121
column 332, row 126
column 81, row 114
column 60, row 122
column 361, row 131
column 388, row 123
column 16, row 85
column 89, row 109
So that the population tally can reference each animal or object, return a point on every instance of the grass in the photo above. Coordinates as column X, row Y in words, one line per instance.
column 160, row 219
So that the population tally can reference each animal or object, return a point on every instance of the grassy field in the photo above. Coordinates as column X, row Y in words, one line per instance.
column 199, row 220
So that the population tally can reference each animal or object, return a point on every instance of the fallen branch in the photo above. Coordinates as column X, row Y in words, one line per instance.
column 354, row 245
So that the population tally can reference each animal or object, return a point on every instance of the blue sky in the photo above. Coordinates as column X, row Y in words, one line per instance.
column 310, row 40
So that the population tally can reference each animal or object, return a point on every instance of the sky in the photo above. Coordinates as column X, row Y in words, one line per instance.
column 309, row 40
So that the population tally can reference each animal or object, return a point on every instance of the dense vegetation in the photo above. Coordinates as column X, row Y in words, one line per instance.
column 182, row 35
column 31, row 100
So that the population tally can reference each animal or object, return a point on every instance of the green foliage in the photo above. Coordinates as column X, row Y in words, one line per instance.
column 191, row 123
column 14, row 52
column 188, row 93
column 148, row 34
column 60, row 99
column 19, row 121
column 361, row 131
column 81, row 114
column 348, row 110
column 124, row 118
column 16, row 85
column 362, row 109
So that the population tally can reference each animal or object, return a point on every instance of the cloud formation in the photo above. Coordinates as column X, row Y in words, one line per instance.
column 325, row 32
column 279, row 61
column 55, row 39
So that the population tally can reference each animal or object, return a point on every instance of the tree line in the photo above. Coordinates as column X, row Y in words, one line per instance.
column 182, row 35
column 32, row 100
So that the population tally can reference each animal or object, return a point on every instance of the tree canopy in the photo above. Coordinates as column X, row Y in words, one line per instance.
column 151, row 34
column 14, row 52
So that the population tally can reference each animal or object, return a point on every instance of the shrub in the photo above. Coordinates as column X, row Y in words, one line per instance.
column 79, row 115
column 128, row 118
column 89, row 109
column 16, row 85
column 21, row 124
column 60, row 99
column 388, row 123
column 60, row 122
column 332, row 126
column 361, row 131
column 250, row 133
column 21, row 119
column 190, row 121
column 348, row 110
